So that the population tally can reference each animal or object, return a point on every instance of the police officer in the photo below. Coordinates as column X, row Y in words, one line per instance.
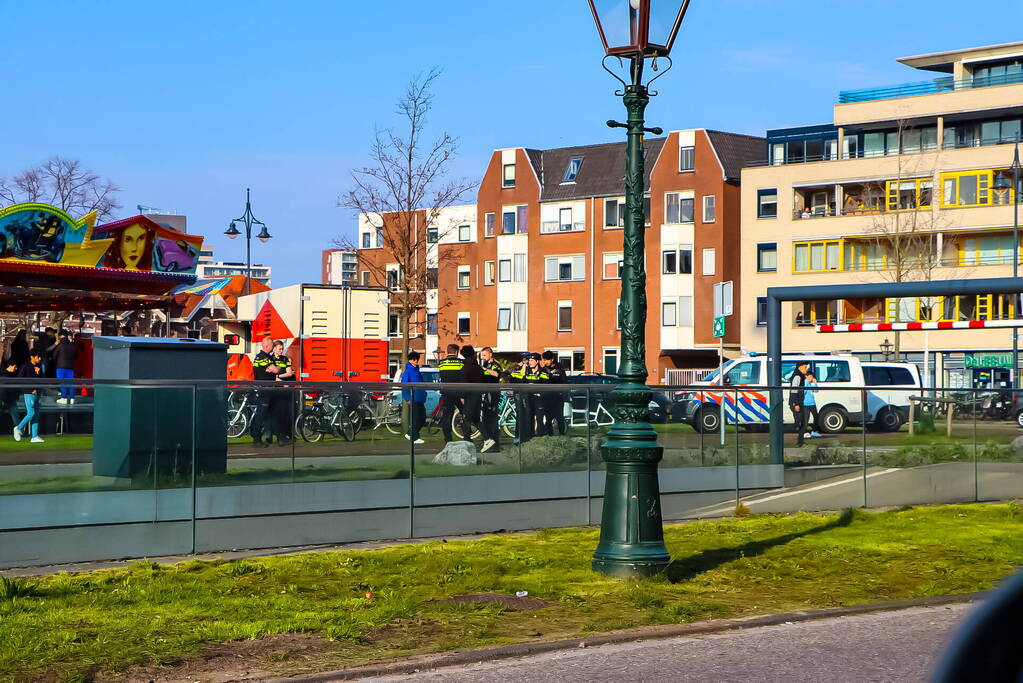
column 263, row 370
column 553, row 401
column 492, row 374
column 452, row 371
column 280, row 399
column 529, row 404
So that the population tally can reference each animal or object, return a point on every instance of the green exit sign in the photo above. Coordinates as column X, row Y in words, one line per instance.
column 719, row 326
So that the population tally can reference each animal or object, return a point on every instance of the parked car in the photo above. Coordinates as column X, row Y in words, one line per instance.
column 750, row 408
column 888, row 400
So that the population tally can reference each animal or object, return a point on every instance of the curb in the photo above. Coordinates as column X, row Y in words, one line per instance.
column 490, row 654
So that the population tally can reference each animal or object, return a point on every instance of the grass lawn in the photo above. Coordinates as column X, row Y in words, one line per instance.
column 74, row 626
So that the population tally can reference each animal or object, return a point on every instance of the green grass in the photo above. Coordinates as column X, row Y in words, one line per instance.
column 71, row 626
column 66, row 442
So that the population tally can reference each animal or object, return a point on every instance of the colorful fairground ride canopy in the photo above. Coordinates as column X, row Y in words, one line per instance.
column 51, row 261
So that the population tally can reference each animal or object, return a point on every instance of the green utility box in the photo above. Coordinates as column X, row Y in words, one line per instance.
column 146, row 430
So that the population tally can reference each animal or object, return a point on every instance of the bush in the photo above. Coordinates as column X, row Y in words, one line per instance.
column 546, row 453
column 925, row 423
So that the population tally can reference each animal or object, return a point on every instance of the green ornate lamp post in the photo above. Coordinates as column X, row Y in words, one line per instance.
column 631, row 533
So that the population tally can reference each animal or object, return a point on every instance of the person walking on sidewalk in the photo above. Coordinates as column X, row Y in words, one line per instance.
column 64, row 356
column 31, row 369
column 416, row 398
column 796, row 394
column 809, row 411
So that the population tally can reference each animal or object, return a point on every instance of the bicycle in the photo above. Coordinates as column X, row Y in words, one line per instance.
column 325, row 416
column 241, row 408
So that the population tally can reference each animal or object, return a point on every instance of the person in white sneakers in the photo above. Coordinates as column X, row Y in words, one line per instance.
column 33, row 369
column 64, row 356
column 810, row 406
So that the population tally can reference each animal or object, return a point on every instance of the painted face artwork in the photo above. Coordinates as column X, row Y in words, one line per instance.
column 133, row 246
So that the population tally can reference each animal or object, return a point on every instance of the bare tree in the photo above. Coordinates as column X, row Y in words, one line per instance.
column 63, row 183
column 402, row 193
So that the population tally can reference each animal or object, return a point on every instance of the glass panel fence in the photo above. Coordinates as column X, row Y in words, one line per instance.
column 999, row 446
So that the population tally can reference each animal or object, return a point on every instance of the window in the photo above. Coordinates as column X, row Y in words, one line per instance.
column 488, row 225
column 767, row 203
column 508, row 179
column 504, row 270
column 610, row 361
column 971, row 188
column 519, row 316
column 709, row 208
column 431, row 278
column 432, row 235
column 613, row 265
column 565, row 220
column 392, row 279
column 685, row 259
column 565, row 268
column 564, row 316
column 504, row 319
column 986, row 250
column 463, row 323
column 678, row 209
column 815, row 257
column 669, row 313
column 686, row 158
column 380, row 238
column 685, row 311
column 488, row 273
column 508, row 223
column 767, row 257
column 614, row 213
column 522, row 220
column 393, row 328
column 464, row 276
column 761, row 311
column 431, row 323
column 904, row 195
column 747, row 372
column 572, row 170
column 669, row 262
column 364, row 278
column 464, row 232
column 815, row 312
column 618, row 314
column 831, row 370
column 709, row 261
column 520, row 270
column 366, row 240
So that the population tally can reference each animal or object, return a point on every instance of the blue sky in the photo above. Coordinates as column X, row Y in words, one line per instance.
column 186, row 104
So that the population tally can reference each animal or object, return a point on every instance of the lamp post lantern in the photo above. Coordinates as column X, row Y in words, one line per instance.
column 248, row 220
column 631, row 531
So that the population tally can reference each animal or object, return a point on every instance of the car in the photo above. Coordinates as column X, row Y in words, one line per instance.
column 839, row 404
column 888, row 400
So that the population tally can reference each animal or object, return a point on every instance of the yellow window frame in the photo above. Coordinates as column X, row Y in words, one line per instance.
column 824, row 245
column 1002, row 258
column 860, row 258
column 985, row 187
column 892, row 189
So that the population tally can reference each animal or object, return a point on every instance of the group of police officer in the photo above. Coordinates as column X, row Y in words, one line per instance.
column 538, row 413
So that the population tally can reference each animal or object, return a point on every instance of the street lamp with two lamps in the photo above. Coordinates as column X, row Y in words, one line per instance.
column 631, row 529
column 248, row 220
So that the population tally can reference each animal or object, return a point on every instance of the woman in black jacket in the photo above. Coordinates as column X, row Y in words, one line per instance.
column 472, row 373
column 33, row 369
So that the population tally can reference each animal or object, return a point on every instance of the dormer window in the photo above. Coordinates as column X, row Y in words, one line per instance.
column 572, row 170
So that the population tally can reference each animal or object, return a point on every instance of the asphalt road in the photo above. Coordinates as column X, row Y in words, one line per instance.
column 898, row 646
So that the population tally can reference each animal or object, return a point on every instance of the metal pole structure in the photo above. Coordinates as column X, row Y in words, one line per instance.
column 248, row 220
column 631, row 533
column 1015, row 260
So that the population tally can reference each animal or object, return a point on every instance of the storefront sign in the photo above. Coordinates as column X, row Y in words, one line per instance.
column 988, row 360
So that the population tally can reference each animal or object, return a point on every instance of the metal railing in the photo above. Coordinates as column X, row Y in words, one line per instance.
column 938, row 85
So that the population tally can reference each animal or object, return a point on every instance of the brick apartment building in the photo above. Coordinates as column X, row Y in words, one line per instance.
column 534, row 264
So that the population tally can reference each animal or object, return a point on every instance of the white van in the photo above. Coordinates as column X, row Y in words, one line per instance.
column 892, row 384
column 836, row 409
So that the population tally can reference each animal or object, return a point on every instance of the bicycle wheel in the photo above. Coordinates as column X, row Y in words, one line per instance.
column 392, row 418
column 345, row 428
column 237, row 423
column 355, row 416
column 508, row 423
column 309, row 427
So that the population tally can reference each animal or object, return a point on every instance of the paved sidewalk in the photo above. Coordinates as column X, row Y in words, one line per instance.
column 901, row 646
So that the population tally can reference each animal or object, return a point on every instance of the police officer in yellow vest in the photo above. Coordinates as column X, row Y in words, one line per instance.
column 529, row 404
column 451, row 371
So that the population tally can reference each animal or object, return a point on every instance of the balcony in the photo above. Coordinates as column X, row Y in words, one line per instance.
column 938, row 85
column 557, row 226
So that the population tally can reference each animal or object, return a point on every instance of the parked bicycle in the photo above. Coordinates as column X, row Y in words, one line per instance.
column 328, row 415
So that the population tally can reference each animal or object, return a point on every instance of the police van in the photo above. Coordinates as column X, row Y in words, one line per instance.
column 839, row 404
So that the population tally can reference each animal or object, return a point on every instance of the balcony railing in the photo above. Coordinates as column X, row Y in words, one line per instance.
column 558, row 226
column 938, row 85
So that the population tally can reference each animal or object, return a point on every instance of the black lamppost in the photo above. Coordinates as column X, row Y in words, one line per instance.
column 631, row 533
column 886, row 349
column 248, row 220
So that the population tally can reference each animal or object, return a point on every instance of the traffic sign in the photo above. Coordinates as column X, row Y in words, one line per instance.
column 722, row 299
column 719, row 326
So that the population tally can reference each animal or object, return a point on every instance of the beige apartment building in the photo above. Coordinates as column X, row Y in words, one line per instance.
column 910, row 182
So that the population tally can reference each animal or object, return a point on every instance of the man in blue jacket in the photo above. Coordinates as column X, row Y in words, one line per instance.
column 416, row 398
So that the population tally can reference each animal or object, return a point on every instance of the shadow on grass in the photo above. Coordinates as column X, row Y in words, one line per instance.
column 692, row 566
